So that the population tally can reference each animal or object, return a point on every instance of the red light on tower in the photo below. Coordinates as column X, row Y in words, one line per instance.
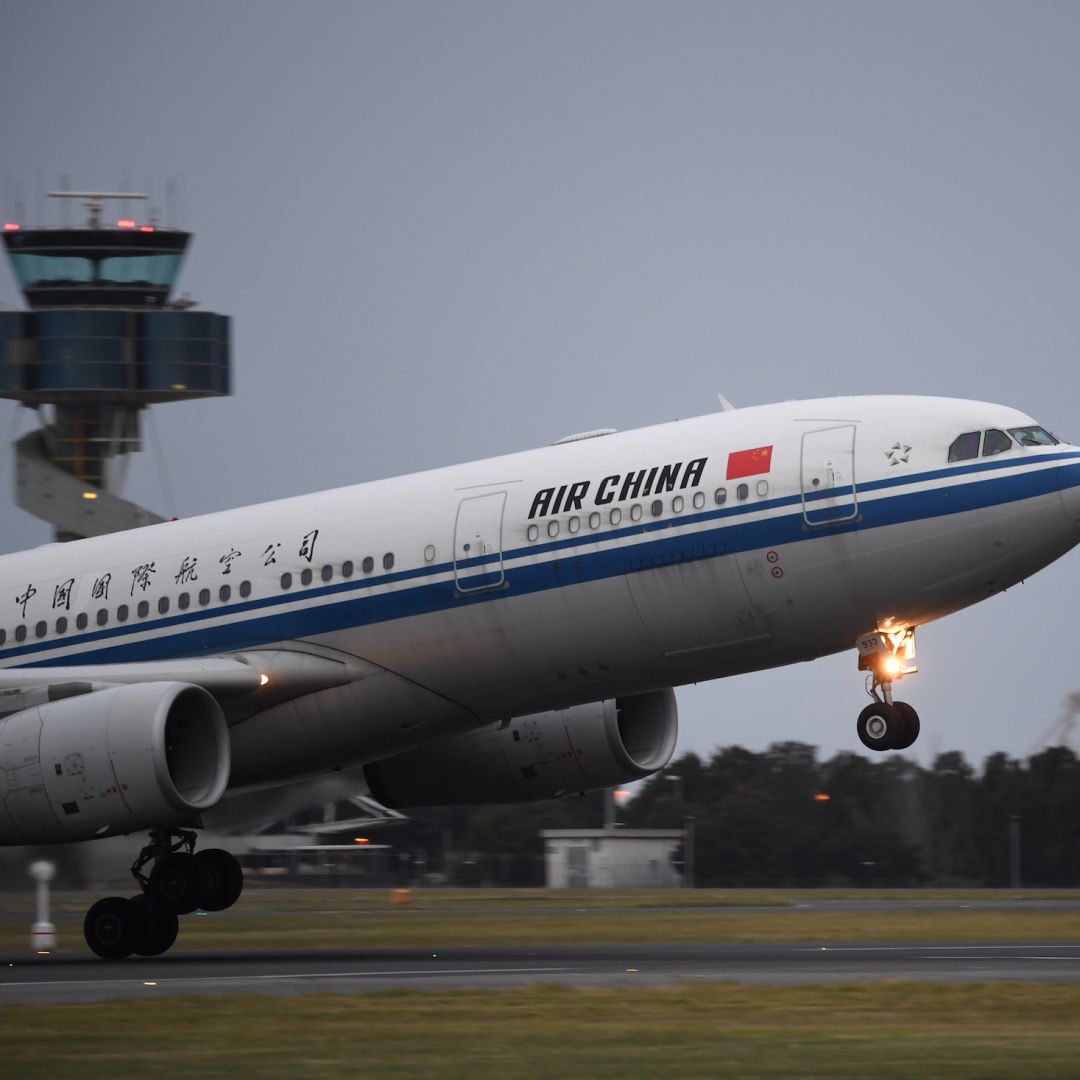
column 10, row 226
column 125, row 223
column 146, row 228
column 822, row 796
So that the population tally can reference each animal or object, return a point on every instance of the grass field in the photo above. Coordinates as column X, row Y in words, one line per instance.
column 357, row 919
column 712, row 1030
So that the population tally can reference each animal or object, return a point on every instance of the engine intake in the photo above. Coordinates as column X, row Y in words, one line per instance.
column 542, row 756
column 117, row 760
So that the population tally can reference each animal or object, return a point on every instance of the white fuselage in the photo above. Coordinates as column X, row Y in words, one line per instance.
column 599, row 567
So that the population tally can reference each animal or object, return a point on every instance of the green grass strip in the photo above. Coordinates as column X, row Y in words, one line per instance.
column 706, row 1030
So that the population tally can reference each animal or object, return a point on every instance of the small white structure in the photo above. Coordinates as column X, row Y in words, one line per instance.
column 612, row 858
column 42, row 933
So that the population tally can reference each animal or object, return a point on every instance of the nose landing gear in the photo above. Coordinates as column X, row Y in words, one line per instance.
column 179, row 882
column 887, row 656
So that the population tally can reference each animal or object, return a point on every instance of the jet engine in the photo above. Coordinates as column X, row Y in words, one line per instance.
column 114, row 760
column 542, row 756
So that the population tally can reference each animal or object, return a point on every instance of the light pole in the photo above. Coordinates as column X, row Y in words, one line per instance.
column 688, row 833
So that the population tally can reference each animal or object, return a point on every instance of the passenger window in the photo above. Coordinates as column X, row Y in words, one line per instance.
column 61, row 625
column 721, row 496
column 635, row 512
column 20, row 633
column 368, row 564
column 763, row 488
column 657, row 507
column 532, row 532
column 183, row 601
column 388, row 561
column 995, row 442
column 965, row 447
column 594, row 520
column 41, row 629
column 286, row 580
column 616, row 516
column 122, row 613
column 204, row 597
column 574, row 524
column 677, row 504
column 306, row 576
column 742, row 491
column 699, row 500
column 347, row 568
column 327, row 573
column 102, row 616
column 224, row 593
column 143, row 609
column 245, row 588
column 81, row 620
column 429, row 553
column 553, row 528
column 3, row 636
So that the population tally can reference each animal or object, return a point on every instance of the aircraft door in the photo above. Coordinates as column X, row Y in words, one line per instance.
column 478, row 561
column 828, row 476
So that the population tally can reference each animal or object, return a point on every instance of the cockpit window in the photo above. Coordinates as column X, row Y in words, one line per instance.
column 1032, row 436
column 965, row 446
column 995, row 442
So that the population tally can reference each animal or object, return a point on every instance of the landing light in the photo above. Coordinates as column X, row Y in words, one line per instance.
column 361, row 840
column 822, row 796
column 263, row 679
column 893, row 665
column 89, row 494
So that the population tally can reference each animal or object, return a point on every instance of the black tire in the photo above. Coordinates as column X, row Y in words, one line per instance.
column 155, row 927
column 878, row 726
column 178, row 882
column 109, row 928
column 909, row 720
column 225, row 876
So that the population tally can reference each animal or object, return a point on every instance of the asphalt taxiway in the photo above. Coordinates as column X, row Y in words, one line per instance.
column 60, row 979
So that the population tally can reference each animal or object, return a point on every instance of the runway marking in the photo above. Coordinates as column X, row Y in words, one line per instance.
column 299, row 975
column 917, row 948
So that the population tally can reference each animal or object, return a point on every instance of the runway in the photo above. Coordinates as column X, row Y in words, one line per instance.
column 60, row 979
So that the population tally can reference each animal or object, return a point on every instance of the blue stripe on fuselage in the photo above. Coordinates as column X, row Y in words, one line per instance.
column 662, row 543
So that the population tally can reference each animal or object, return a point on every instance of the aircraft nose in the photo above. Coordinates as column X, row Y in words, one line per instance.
column 1069, row 488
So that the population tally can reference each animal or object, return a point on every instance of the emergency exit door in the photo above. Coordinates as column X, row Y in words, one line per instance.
column 828, row 475
column 478, row 561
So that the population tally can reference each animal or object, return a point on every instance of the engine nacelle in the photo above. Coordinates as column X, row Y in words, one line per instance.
column 543, row 756
column 116, row 760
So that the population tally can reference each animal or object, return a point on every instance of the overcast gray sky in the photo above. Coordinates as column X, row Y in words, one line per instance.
column 451, row 230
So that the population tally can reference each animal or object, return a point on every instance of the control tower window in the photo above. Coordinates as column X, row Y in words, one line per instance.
column 965, row 446
column 995, row 442
column 1032, row 436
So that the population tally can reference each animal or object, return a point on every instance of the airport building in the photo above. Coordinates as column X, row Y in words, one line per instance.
column 614, row 858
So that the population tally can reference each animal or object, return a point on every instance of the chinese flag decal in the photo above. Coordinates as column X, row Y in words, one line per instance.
column 749, row 462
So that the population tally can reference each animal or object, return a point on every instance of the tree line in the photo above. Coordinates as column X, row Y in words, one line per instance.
column 782, row 817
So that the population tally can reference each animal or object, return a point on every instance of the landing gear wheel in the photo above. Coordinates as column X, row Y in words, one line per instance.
column 225, row 877
column 909, row 720
column 110, row 928
column 178, row 882
column 879, row 726
column 155, row 926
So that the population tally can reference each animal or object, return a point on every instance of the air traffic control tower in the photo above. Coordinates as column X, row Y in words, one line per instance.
column 101, row 341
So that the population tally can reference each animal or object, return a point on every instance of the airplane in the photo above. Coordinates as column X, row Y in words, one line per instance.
column 500, row 631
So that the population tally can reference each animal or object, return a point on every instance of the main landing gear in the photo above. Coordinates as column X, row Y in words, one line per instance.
column 886, row 724
column 178, row 882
